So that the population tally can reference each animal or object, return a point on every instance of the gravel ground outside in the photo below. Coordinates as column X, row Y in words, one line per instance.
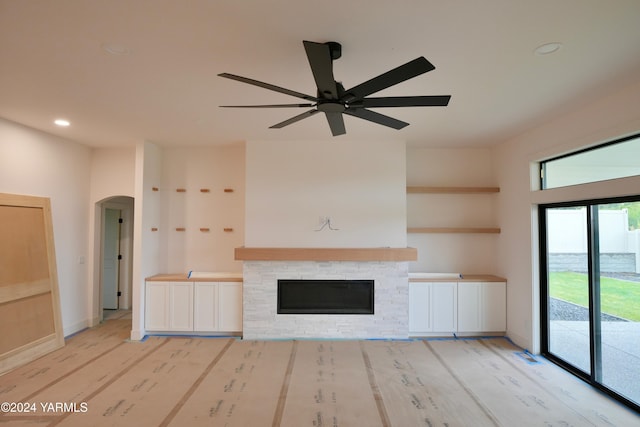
column 564, row 310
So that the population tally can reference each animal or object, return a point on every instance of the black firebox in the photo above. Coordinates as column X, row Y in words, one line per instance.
column 325, row 296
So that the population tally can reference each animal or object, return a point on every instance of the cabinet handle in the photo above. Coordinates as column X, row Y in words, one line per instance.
column 180, row 229
column 227, row 229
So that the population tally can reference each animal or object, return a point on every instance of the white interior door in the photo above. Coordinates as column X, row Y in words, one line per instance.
column 110, row 262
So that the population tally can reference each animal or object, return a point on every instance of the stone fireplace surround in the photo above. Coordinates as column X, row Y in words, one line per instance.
column 260, row 277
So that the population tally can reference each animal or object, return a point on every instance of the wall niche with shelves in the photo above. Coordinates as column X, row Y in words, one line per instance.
column 451, row 215
column 201, row 193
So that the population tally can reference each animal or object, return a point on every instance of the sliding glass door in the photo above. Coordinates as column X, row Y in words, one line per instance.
column 590, row 270
column 568, row 286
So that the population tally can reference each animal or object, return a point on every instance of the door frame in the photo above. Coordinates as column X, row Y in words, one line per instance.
column 125, row 270
column 593, row 377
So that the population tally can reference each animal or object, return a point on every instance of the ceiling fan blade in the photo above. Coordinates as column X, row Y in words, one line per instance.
column 319, row 56
column 268, row 86
column 399, row 74
column 378, row 118
column 269, row 106
column 336, row 123
column 294, row 119
column 404, row 101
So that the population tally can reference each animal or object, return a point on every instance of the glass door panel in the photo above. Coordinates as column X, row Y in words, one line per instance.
column 568, row 286
column 617, row 298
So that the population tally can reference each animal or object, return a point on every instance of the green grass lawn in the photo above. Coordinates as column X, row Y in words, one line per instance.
column 618, row 297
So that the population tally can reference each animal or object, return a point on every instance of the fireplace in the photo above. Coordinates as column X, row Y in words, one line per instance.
column 387, row 268
column 325, row 296
column 261, row 319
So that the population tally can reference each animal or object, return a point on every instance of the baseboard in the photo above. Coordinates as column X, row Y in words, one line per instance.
column 519, row 340
column 137, row 334
column 76, row 327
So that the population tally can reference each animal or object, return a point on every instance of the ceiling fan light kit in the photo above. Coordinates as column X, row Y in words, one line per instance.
column 333, row 100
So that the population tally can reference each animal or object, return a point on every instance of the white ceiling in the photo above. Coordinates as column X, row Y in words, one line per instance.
column 166, row 89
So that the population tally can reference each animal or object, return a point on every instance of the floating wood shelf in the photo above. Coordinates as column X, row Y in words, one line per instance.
column 463, row 278
column 450, row 230
column 453, row 190
column 326, row 254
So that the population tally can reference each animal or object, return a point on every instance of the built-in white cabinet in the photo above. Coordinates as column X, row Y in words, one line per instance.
column 230, row 318
column 169, row 306
column 466, row 307
column 193, row 306
column 433, row 307
column 218, row 306
column 482, row 307
column 206, row 306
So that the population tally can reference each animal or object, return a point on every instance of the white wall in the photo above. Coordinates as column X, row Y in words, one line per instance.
column 452, row 253
column 112, row 173
column 359, row 185
column 193, row 169
column 146, row 242
column 611, row 117
column 39, row 164
column 112, row 176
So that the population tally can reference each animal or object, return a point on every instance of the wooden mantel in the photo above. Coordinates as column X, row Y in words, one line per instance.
column 326, row 254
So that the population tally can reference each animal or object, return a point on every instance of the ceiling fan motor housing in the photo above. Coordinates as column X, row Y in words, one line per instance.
column 336, row 50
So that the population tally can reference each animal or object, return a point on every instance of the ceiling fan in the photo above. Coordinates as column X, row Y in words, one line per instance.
column 334, row 101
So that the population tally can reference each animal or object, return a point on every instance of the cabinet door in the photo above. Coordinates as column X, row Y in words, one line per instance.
column 419, row 303
column 494, row 307
column 181, row 306
column 469, row 307
column 432, row 307
column 156, row 306
column 230, row 306
column 444, row 307
column 205, row 317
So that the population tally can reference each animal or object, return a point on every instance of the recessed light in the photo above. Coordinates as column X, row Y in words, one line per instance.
column 62, row 122
column 115, row 49
column 547, row 48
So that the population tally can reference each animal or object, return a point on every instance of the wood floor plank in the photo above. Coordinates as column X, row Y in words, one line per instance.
column 330, row 387
column 182, row 381
column 148, row 393
column 80, row 350
column 509, row 394
column 242, row 389
column 35, row 422
column 418, row 390
column 83, row 383
column 572, row 391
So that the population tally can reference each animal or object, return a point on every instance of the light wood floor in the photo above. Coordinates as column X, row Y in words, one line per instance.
column 101, row 379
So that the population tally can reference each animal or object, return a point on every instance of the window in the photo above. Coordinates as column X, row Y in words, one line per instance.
column 616, row 159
